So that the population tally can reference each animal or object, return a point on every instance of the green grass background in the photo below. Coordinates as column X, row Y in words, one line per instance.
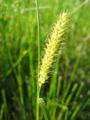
column 67, row 93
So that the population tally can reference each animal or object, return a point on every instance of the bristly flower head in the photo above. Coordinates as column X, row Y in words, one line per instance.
column 52, row 47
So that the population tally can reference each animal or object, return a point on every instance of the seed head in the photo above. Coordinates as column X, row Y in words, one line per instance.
column 52, row 47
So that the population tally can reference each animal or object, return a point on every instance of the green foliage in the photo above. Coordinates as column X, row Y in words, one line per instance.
column 67, row 93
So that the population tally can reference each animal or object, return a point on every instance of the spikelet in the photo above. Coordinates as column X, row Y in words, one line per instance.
column 52, row 47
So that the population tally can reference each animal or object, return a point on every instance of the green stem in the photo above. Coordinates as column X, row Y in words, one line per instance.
column 38, row 35
column 37, row 103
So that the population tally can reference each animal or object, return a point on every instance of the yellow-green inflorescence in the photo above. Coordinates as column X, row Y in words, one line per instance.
column 52, row 47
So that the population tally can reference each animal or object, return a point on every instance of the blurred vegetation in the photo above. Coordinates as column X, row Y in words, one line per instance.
column 67, row 93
